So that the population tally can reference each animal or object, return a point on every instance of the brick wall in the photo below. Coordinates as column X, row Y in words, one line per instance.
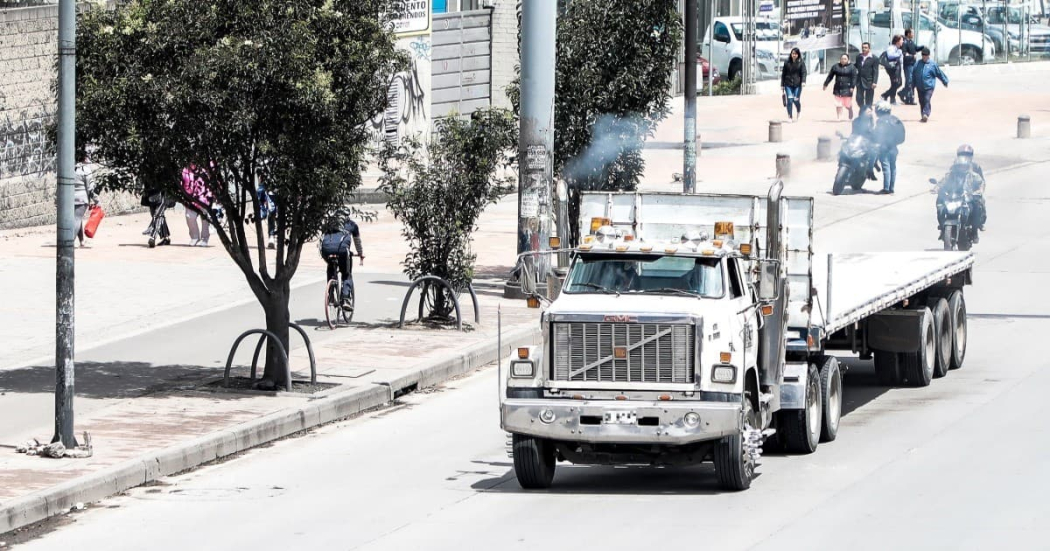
column 504, row 49
column 28, row 44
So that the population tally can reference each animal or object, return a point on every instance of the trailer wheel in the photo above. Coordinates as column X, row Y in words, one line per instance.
column 831, row 398
column 942, row 325
column 888, row 368
column 918, row 366
column 957, row 311
column 533, row 462
column 801, row 427
column 734, row 463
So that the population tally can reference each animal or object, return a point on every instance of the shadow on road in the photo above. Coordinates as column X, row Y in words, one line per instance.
column 860, row 385
column 601, row 480
column 112, row 379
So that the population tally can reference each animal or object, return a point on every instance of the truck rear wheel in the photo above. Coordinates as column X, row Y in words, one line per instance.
column 800, row 428
column 957, row 312
column 919, row 365
column 888, row 368
column 734, row 463
column 831, row 398
column 942, row 324
column 533, row 462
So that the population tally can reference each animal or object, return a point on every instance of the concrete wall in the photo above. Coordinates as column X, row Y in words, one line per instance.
column 28, row 45
column 504, row 49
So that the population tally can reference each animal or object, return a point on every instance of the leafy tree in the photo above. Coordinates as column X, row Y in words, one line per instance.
column 438, row 190
column 276, row 91
column 614, row 64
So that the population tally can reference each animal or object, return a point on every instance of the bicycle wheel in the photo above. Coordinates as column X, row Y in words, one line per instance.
column 348, row 313
column 332, row 310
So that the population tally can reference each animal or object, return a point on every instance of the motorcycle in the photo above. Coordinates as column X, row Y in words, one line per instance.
column 954, row 210
column 855, row 156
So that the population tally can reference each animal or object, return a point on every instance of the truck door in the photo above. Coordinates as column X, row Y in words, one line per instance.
column 745, row 326
column 720, row 48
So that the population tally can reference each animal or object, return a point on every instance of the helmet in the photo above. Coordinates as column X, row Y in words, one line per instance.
column 882, row 106
column 964, row 150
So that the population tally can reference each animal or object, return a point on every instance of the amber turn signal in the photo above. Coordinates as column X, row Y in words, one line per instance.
column 725, row 357
column 523, row 353
column 767, row 310
column 554, row 242
column 532, row 302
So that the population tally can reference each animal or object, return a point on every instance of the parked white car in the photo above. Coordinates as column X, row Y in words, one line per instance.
column 726, row 50
column 951, row 46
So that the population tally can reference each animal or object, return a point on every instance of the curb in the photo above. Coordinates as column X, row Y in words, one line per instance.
column 59, row 499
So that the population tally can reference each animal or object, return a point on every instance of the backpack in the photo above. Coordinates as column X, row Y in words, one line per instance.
column 896, row 131
column 333, row 243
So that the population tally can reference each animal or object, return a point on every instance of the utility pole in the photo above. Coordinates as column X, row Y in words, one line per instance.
column 689, row 171
column 536, row 136
column 67, row 13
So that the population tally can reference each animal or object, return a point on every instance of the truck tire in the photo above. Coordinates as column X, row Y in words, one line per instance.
column 957, row 313
column 533, row 462
column 942, row 325
column 918, row 366
column 734, row 464
column 831, row 398
column 888, row 368
column 800, row 428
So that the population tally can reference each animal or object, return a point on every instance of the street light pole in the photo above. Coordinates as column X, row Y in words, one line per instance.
column 536, row 135
column 64, row 265
column 689, row 159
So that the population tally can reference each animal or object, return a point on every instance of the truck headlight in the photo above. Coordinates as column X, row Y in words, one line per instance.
column 522, row 370
column 723, row 374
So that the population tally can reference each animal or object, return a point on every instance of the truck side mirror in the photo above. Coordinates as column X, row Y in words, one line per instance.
column 768, row 280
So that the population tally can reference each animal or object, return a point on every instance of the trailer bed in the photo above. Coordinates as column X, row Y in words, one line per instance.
column 862, row 284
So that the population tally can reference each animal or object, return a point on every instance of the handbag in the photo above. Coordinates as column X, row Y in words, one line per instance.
column 95, row 216
column 784, row 98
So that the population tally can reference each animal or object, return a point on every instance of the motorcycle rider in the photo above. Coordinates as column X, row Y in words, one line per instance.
column 966, row 172
column 864, row 125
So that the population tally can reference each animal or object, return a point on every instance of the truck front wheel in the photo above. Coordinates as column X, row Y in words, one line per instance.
column 831, row 398
column 734, row 463
column 800, row 428
column 533, row 462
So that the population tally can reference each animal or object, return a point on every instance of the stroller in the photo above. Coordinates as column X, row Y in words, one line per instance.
column 158, row 203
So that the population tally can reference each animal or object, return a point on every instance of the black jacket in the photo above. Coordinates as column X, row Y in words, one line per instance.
column 845, row 79
column 910, row 49
column 889, row 132
column 793, row 74
column 867, row 70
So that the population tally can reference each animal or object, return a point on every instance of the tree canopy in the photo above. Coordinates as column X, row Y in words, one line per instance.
column 270, row 91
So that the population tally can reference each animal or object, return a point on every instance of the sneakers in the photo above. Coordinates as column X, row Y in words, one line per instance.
column 151, row 243
column 202, row 243
column 924, row 118
column 193, row 242
column 348, row 305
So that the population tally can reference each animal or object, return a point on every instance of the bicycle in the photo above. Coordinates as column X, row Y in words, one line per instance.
column 335, row 312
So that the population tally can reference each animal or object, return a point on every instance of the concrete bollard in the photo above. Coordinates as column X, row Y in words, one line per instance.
column 824, row 148
column 783, row 165
column 775, row 134
column 1024, row 127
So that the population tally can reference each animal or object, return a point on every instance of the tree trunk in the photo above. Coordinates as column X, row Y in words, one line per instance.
column 277, row 320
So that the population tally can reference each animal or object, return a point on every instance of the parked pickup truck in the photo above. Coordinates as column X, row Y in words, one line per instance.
column 691, row 328
column 727, row 46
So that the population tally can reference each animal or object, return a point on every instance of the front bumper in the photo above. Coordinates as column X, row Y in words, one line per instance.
column 668, row 426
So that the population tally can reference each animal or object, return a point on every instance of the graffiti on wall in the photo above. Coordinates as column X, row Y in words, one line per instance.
column 407, row 103
column 24, row 147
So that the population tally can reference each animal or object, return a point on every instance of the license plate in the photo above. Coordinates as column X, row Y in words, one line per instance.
column 620, row 418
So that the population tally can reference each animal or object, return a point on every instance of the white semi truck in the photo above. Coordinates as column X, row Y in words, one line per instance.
column 692, row 328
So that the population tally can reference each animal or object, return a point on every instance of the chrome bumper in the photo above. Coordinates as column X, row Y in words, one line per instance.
column 717, row 419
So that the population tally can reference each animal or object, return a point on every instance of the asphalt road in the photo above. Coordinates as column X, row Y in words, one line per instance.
column 961, row 464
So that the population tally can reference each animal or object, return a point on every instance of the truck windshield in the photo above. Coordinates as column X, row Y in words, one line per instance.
column 603, row 273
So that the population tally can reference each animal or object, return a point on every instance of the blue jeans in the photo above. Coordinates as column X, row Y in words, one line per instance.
column 925, row 96
column 793, row 95
column 888, row 160
column 907, row 93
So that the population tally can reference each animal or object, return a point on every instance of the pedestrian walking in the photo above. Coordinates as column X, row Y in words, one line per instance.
column 201, row 197
column 792, row 79
column 867, row 76
column 83, row 194
column 909, row 53
column 889, row 135
column 158, row 231
column 890, row 59
column 845, row 76
column 925, row 74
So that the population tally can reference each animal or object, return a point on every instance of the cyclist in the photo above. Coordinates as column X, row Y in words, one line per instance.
column 336, row 242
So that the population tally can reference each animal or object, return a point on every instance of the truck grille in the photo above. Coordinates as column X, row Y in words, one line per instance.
column 624, row 352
